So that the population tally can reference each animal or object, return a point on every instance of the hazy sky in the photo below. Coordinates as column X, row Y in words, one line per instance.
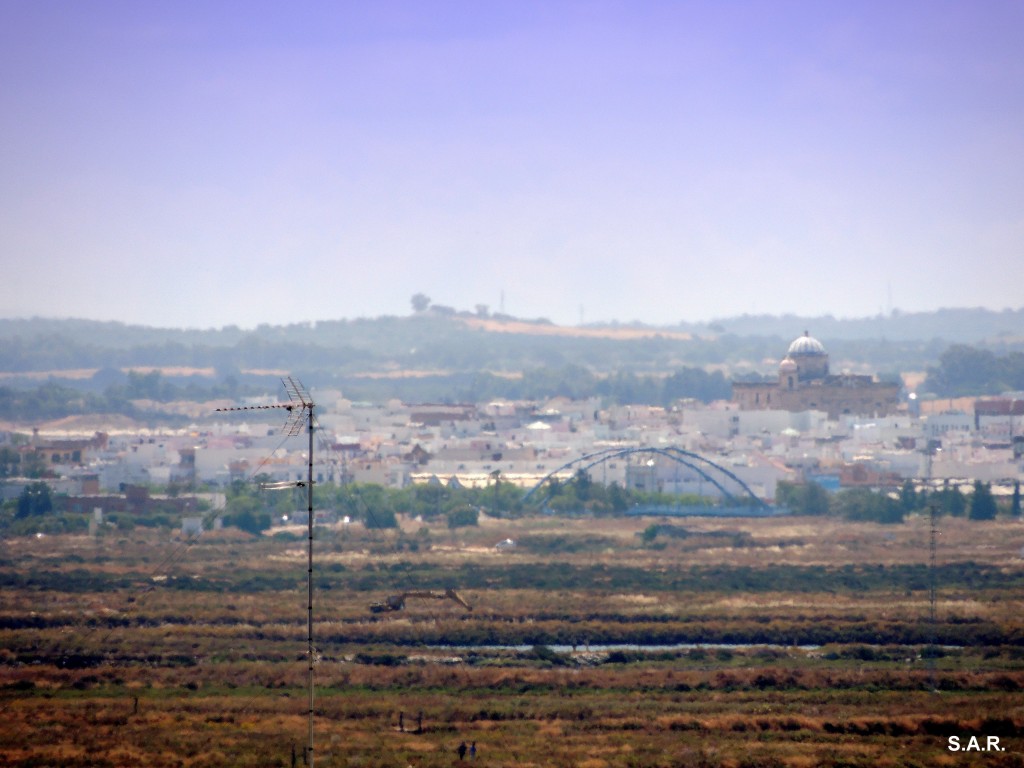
column 210, row 163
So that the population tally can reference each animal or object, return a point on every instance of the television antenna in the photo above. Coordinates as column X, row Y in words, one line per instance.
column 933, row 533
column 300, row 413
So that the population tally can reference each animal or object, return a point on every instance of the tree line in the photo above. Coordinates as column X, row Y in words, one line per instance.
column 964, row 370
column 378, row 507
column 863, row 504
column 125, row 393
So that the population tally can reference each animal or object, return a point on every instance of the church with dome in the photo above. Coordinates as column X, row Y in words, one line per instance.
column 805, row 384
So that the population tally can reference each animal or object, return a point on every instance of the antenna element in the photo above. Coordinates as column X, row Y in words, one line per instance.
column 300, row 413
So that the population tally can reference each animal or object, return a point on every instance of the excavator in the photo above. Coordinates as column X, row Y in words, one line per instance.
column 397, row 602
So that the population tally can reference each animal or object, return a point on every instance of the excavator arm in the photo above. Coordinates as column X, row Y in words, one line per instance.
column 397, row 602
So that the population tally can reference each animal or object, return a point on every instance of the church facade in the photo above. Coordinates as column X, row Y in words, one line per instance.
column 804, row 384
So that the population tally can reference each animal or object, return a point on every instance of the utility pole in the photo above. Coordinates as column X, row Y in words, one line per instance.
column 310, row 650
column 300, row 409
column 932, row 618
column 496, row 474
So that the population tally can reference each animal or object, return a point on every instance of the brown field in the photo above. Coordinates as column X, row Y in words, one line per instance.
column 88, row 373
column 137, row 648
column 624, row 333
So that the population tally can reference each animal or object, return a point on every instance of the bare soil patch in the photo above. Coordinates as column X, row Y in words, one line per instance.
column 544, row 329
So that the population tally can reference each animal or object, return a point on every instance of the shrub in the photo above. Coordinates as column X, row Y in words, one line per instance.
column 544, row 653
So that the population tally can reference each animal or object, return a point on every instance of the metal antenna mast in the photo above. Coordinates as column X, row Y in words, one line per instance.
column 932, row 618
column 300, row 411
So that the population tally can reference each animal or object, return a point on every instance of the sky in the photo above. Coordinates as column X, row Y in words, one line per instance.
column 210, row 163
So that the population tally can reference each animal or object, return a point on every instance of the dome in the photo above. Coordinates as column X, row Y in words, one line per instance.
column 788, row 365
column 806, row 345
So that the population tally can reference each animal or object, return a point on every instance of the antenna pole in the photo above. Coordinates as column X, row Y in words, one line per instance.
column 300, row 408
column 309, row 621
column 932, row 618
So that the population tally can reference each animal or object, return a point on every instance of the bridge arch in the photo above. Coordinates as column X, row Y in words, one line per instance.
column 705, row 467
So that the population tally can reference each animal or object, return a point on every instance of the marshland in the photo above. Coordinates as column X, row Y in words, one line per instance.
column 592, row 642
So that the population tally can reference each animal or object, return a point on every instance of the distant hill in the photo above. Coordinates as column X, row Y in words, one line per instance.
column 443, row 354
column 965, row 326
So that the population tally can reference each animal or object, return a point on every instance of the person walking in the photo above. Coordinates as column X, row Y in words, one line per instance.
column 462, row 751
column 472, row 751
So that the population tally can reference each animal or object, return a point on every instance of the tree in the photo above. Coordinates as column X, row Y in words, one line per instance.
column 965, row 370
column 1015, row 502
column 909, row 500
column 950, row 500
column 420, row 302
column 617, row 498
column 34, row 500
column 33, row 464
column 380, row 519
column 803, row 499
column 583, row 485
column 9, row 460
column 427, row 501
column 650, row 534
column 864, row 505
column 249, row 520
column 462, row 516
column 369, row 502
column 696, row 383
column 149, row 386
column 983, row 503
column 816, row 500
column 501, row 499
column 245, row 510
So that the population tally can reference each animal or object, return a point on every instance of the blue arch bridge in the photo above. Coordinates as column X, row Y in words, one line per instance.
column 737, row 498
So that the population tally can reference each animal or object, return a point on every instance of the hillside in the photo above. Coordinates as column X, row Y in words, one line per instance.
column 963, row 325
column 449, row 355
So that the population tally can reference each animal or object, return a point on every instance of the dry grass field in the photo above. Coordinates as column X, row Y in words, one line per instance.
column 618, row 333
column 732, row 643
